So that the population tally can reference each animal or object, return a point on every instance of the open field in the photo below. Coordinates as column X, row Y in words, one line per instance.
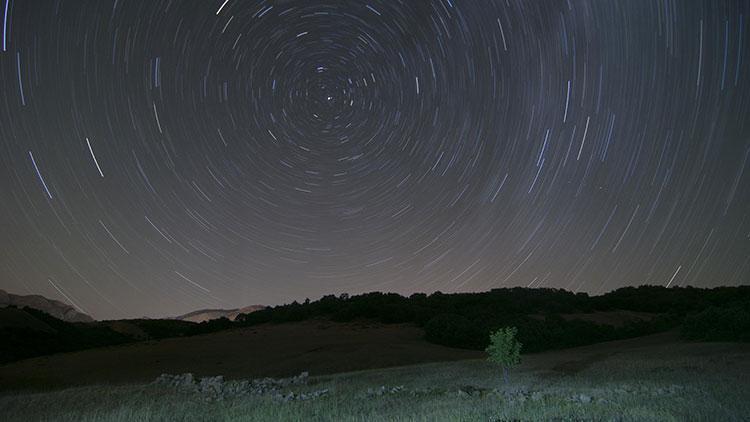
column 655, row 378
column 277, row 350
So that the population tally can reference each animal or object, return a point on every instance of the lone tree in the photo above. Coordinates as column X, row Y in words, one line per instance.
column 504, row 350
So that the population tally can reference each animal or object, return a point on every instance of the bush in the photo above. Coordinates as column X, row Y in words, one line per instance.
column 719, row 324
column 504, row 349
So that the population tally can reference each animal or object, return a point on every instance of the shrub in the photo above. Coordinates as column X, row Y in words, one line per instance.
column 504, row 349
column 719, row 324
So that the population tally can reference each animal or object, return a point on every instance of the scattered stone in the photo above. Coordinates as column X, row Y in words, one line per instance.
column 383, row 390
column 471, row 391
column 184, row 381
column 301, row 396
column 581, row 398
column 217, row 389
column 520, row 396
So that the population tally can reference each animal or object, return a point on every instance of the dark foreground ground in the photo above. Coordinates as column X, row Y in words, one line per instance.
column 653, row 378
column 320, row 347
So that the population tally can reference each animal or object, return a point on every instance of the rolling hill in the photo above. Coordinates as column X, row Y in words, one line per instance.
column 209, row 314
column 55, row 308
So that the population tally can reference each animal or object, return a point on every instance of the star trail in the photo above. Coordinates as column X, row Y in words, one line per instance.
column 167, row 155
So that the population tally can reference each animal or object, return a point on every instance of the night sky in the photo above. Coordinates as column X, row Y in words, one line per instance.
column 162, row 156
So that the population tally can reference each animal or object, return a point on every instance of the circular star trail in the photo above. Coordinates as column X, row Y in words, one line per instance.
column 162, row 156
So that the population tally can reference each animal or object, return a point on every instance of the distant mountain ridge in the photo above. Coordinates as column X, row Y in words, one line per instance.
column 203, row 315
column 52, row 307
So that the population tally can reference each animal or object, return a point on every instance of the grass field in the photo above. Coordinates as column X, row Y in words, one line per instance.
column 654, row 378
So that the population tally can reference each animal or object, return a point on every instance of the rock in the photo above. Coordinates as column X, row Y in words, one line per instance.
column 184, row 381
column 581, row 398
column 217, row 389
column 212, row 386
column 300, row 396
column 382, row 390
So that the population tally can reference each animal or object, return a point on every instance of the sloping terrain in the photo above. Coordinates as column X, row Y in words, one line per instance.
column 320, row 347
column 546, row 319
column 55, row 308
column 651, row 378
column 29, row 332
column 14, row 318
column 209, row 314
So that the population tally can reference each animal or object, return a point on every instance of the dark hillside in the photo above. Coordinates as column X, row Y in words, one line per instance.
column 546, row 318
column 29, row 332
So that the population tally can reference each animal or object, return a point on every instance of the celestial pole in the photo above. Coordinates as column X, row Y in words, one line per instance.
column 161, row 156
